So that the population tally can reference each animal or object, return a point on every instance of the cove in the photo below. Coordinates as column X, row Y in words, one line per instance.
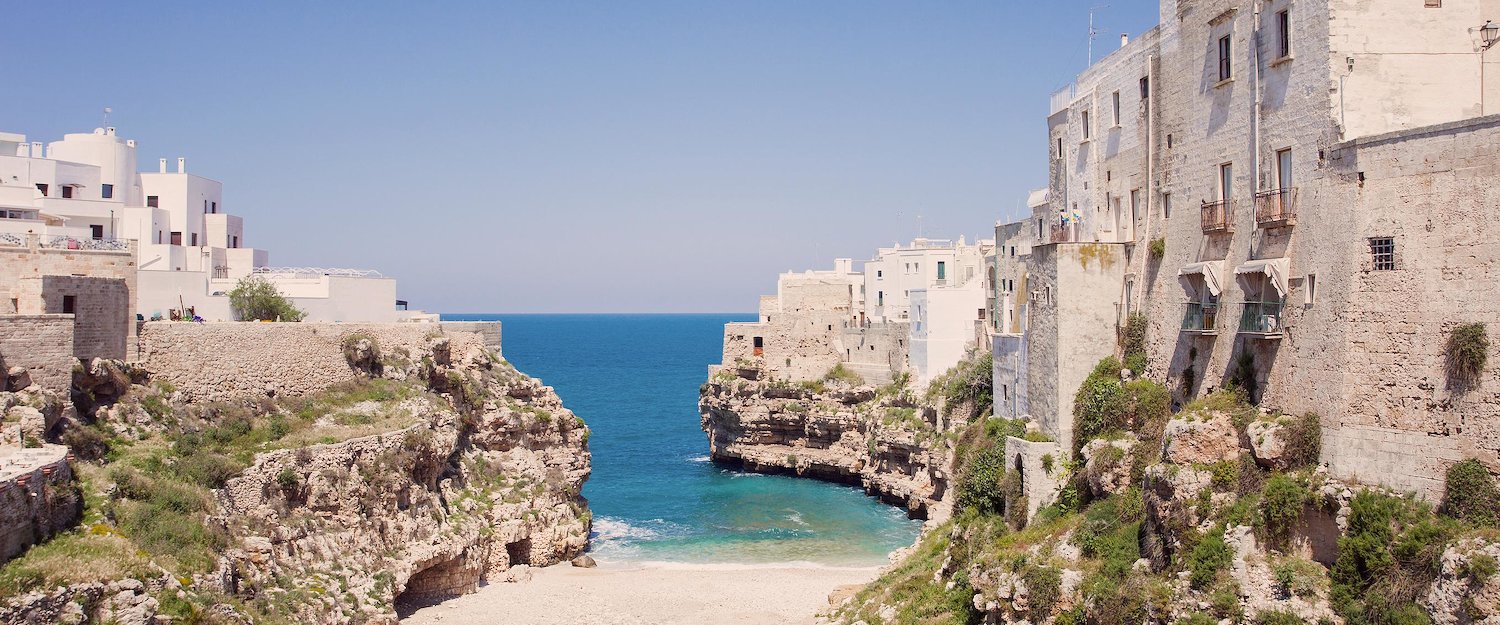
column 654, row 494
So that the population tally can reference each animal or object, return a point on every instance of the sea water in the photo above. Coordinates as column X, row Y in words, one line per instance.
column 654, row 494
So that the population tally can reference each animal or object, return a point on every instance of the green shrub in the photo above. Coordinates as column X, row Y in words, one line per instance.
column 1158, row 248
column 254, row 298
column 1480, row 568
column 1470, row 494
column 1133, row 343
column 1465, row 355
column 980, row 484
column 1304, row 441
column 1298, row 577
column 1281, row 506
column 1045, row 585
column 971, row 382
column 1099, row 404
column 840, row 373
column 1277, row 617
column 1390, row 552
column 1244, row 377
column 1208, row 557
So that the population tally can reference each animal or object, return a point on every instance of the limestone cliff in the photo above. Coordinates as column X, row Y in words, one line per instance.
column 419, row 474
column 880, row 438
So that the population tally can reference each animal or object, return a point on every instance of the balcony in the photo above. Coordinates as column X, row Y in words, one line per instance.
column 1276, row 207
column 66, row 242
column 1202, row 318
column 1218, row 216
column 1261, row 319
column 1064, row 233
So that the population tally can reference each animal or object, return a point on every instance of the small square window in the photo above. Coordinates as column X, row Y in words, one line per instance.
column 1383, row 253
column 152, row 201
column 107, row 191
column 70, row 304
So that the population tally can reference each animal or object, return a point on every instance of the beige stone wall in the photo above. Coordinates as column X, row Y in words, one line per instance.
column 43, row 344
column 33, row 261
column 1028, row 459
column 101, row 327
column 800, row 330
column 876, row 351
column 37, row 497
column 228, row 360
column 488, row 330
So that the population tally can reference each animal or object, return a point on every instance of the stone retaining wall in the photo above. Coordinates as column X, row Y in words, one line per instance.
column 43, row 344
column 237, row 360
column 37, row 496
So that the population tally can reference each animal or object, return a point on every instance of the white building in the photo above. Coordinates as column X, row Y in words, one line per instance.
column 85, row 192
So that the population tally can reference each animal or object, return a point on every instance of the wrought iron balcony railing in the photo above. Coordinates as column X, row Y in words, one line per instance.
column 1218, row 216
column 1201, row 317
column 1262, row 318
column 1276, row 207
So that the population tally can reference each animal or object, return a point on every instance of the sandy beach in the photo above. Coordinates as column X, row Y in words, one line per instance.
column 650, row 594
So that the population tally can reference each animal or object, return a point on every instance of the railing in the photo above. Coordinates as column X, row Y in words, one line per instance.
column 312, row 272
column 1063, row 233
column 1201, row 317
column 1276, row 207
column 1262, row 318
column 1218, row 216
column 13, row 240
column 221, row 272
column 66, row 242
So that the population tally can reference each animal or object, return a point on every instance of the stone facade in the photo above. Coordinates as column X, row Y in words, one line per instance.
column 101, row 326
column 32, row 260
column 216, row 361
column 43, row 345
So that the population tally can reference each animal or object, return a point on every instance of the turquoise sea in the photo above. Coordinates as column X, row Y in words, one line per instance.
column 654, row 494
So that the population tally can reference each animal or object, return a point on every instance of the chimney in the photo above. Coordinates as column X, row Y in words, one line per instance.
column 110, row 131
column 162, row 166
column 36, row 150
column 1124, row 39
column 181, row 165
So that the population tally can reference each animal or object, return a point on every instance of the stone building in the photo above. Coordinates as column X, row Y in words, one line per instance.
column 1318, row 179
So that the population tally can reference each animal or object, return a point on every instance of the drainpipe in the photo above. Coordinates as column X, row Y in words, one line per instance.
column 1255, row 119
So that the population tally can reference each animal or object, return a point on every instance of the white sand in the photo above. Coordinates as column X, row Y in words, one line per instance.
column 642, row 594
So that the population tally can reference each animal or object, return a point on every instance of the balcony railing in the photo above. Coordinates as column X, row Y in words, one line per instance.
column 1201, row 318
column 1261, row 318
column 1276, row 207
column 84, row 243
column 221, row 272
column 1064, row 233
column 1218, row 216
column 12, row 240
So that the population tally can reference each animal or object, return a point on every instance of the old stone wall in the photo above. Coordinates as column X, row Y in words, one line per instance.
column 488, row 330
column 33, row 261
column 876, row 351
column 214, row 361
column 37, row 496
column 799, row 335
column 43, row 344
column 1029, row 459
column 101, row 325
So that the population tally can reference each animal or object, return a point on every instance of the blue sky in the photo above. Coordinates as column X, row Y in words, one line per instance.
column 571, row 156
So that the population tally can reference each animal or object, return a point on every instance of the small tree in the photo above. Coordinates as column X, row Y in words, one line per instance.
column 254, row 298
column 1465, row 355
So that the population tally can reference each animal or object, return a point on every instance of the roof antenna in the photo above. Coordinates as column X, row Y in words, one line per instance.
column 107, row 111
column 1092, row 30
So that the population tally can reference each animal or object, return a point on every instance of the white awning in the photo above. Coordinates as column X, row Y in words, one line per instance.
column 1276, row 269
column 1210, row 272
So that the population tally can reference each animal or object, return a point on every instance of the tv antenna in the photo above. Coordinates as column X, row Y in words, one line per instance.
column 107, row 111
column 1093, row 31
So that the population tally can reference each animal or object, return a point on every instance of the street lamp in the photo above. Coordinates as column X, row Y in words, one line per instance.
column 1490, row 32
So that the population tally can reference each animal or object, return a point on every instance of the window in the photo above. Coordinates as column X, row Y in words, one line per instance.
column 234, row 241
column 1284, row 169
column 1383, row 253
column 1284, row 30
column 195, row 239
column 1166, row 205
column 213, row 207
column 942, row 270
column 158, row 237
column 42, row 186
column 1169, row 139
column 1226, row 181
column 880, row 298
column 1145, row 87
column 176, row 238
column 1310, row 294
column 96, row 231
column 1224, row 58
column 1085, row 122
column 205, row 206
column 1059, row 149
column 70, row 304
column 1433, row 4
column 107, row 191
column 1012, row 251
column 1117, row 108
column 760, row 346
column 152, row 202
column 1135, row 205
column 879, row 274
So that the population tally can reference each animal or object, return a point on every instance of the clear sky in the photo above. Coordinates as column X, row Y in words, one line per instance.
column 571, row 156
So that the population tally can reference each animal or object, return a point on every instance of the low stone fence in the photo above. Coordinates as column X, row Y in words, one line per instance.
column 236, row 360
column 41, row 344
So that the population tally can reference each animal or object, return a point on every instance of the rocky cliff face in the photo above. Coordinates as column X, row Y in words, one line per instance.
column 880, row 439
column 434, row 470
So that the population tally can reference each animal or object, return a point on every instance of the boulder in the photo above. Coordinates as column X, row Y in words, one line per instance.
column 1107, row 465
column 362, row 354
column 17, row 378
column 104, row 381
column 584, row 562
column 1268, row 444
column 1200, row 440
column 1462, row 593
column 32, row 424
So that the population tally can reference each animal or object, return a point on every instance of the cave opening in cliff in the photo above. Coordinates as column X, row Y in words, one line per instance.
column 519, row 551
column 439, row 582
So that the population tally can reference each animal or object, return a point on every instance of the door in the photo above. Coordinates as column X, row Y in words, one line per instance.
column 1226, row 181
